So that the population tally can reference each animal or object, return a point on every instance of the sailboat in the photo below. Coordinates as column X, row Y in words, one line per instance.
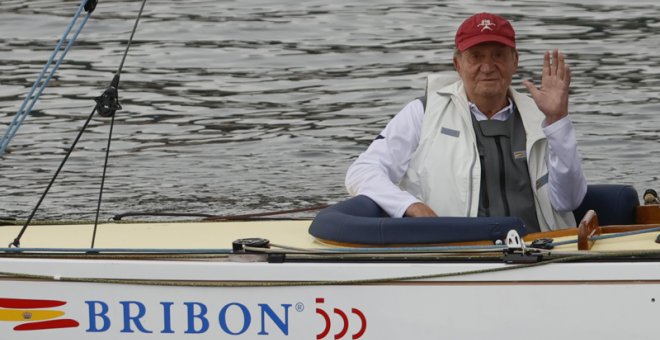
column 349, row 273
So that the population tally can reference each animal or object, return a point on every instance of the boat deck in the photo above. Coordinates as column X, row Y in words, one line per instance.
column 220, row 235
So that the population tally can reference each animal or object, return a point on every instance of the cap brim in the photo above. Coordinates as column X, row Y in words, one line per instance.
column 483, row 38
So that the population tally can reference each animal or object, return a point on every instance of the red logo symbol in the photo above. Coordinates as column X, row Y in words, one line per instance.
column 37, row 316
column 344, row 319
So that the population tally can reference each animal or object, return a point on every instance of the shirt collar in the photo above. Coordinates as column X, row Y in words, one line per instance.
column 502, row 114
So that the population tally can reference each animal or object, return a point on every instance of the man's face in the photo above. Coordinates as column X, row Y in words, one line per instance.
column 486, row 70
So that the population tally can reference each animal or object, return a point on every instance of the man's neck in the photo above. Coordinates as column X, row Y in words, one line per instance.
column 502, row 114
column 490, row 107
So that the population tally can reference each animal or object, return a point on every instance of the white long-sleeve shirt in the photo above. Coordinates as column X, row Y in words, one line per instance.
column 377, row 171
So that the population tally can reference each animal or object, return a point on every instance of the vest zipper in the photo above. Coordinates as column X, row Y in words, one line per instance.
column 505, row 201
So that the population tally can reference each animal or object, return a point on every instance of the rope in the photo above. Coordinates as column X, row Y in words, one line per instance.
column 287, row 249
column 130, row 39
column 105, row 167
column 608, row 236
column 106, row 105
column 114, row 250
column 309, row 283
column 17, row 240
column 32, row 97
column 625, row 233
column 215, row 218
column 429, row 249
column 271, row 213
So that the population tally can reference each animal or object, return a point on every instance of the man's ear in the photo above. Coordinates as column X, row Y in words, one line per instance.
column 457, row 65
column 515, row 58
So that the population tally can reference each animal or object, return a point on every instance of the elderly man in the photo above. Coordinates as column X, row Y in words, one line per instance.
column 474, row 146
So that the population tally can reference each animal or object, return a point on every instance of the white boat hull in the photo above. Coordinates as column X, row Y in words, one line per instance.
column 572, row 300
column 215, row 296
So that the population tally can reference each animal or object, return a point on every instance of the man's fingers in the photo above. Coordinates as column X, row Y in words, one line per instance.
column 530, row 87
column 552, row 96
column 546, row 63
column 561, row 66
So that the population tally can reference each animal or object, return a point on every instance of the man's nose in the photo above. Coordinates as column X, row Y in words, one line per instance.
column 487, row 65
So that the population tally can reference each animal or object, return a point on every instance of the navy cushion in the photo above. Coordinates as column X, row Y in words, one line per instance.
column 613, row 204
column 359, row 220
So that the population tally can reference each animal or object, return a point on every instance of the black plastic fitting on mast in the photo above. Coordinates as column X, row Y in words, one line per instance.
column 108, row 103
column 90, row 5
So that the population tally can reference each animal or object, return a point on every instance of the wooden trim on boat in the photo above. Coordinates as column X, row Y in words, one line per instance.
column 610, row 229
column 551, row 234
column 648, row 214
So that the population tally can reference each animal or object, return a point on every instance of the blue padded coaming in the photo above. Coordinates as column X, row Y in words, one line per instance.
column 613, row 204
column 359, row 220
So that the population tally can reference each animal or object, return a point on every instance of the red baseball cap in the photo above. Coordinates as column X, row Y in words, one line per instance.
column 484, row 27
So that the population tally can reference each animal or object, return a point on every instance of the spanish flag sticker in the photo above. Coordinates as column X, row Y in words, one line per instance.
column 34, row 314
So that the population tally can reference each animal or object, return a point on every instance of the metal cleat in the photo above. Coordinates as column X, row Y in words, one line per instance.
column 516, row 252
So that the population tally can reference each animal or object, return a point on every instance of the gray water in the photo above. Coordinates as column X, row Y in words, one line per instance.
column 248, row 106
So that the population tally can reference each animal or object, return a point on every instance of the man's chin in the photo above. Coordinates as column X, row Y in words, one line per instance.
column 491, row 93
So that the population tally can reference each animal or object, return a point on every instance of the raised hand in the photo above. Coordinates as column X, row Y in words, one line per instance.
column 552, row 97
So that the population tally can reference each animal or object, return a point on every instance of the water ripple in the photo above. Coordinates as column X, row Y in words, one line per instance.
column 240, row 106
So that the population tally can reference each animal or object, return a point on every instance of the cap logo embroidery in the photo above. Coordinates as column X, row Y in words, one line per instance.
column 486, row 25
